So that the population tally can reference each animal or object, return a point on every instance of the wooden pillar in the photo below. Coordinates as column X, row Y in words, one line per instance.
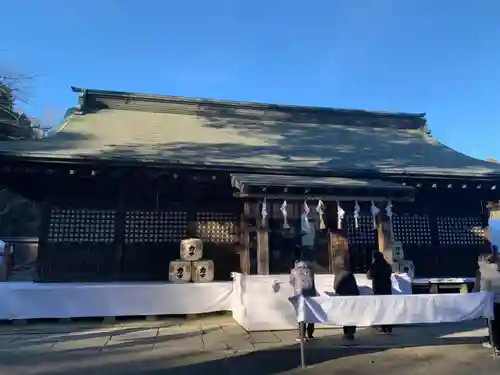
column 119, row 241
column 244, row 246
column 262, row 251
column 384, row 231
column 251, row 210
column 43, row 258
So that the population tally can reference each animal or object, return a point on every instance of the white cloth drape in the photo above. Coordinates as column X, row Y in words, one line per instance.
column 35, row 301
column 393, row 309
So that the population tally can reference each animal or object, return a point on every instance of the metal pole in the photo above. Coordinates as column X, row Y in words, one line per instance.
column 302, row 329
column 490, row 337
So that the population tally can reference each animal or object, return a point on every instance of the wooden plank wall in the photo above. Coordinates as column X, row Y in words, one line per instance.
column 148, row 222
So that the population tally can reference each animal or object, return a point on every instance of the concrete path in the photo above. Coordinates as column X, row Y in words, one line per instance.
column 218, row 345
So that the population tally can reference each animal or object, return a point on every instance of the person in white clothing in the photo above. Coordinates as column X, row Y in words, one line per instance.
column 302, row 281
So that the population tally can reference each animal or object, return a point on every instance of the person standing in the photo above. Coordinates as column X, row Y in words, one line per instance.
column 488, row 280
column 380, row 273
column 345, row 284
column 302, row 280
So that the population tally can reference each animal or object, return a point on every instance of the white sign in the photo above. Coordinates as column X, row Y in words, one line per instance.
column 397, row 251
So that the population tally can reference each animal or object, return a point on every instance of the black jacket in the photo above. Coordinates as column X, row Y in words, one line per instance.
column 380, row 274
column 344, row 282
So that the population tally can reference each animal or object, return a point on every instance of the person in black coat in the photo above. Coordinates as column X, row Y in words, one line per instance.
column 380, row 273
column 345, row 285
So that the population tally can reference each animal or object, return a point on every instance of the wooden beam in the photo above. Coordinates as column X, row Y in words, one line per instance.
column 325, row 197
column 245, row 246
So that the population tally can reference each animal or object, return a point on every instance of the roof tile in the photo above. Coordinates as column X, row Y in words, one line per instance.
column 207, row 138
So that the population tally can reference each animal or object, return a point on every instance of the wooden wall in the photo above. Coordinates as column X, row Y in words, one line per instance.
column 130, row 229
column 442, row 235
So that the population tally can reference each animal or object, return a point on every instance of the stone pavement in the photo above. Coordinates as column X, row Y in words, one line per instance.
column 219, row 345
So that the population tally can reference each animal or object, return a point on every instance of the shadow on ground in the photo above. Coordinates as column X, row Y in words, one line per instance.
column 419, row 345
column 444, row 360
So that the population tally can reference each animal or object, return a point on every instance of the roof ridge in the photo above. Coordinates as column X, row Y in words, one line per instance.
column 95, row 100
column 243, row 104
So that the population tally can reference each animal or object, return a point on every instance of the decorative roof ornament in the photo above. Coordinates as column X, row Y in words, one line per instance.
column 284, row 212
column 320, row 209
column 375, row 211
column 356, row 214
column 263, row 212
column 340, row 216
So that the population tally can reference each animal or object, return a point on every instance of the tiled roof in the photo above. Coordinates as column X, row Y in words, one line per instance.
column 121, row 126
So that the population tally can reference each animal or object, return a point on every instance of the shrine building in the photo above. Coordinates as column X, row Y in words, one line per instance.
column 127, row 176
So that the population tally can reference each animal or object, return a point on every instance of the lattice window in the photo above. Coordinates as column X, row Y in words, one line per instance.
column 155, row 226
column 81, row 225
column 216, row 227
column 415, row 230
column 460, row 230
column 364, row 234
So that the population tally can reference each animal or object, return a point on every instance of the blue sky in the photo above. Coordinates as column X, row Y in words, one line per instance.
column 440, row 57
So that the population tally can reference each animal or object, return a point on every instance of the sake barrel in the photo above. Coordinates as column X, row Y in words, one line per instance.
column 191, row 249
column 179, row 271
column 203, row 271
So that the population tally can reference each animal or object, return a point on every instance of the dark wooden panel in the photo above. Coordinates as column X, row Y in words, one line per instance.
column 412, row 229
column 455, row 224
column 460, row 230
column 216, row 227
column 364, row 234
column 363, row 241
column 322, row 252
column 226, row 259
column 70, row 225
column 147, row 262
column 458, row 260
column 424, row 258
column 78, row 245
column 252, row 250
column 151, row 241
column 361, row 257
column 78, row 263
column 284, row 245
column 155, row 227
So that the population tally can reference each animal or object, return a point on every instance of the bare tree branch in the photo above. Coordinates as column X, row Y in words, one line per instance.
column 14, row 124
column 16, row 84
